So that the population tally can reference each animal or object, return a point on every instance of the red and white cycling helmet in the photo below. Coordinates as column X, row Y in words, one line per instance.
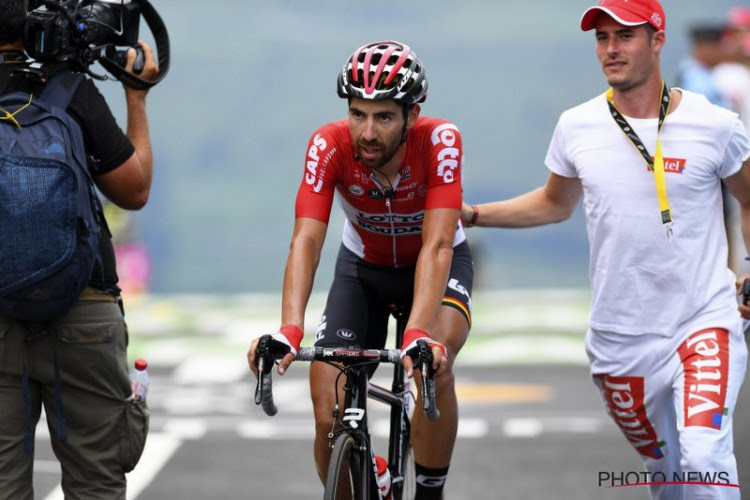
column 384, row 70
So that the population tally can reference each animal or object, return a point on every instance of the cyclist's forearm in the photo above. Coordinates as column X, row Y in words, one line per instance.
column 430, row 279
column 298, row 280
column 302, row 262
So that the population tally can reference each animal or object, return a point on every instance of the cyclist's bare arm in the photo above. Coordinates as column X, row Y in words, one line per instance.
column 553, row 202
column 304, row 255
column 739, row 185
column 431, row 275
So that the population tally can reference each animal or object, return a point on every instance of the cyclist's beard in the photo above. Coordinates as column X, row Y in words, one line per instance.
column 387, row 151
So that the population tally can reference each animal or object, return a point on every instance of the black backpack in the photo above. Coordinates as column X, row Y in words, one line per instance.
column 50, row 214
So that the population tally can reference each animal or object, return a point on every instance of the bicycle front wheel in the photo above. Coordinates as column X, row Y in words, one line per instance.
column 346, row 468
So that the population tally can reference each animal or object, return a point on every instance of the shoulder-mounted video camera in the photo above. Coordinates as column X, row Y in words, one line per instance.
column 82, row 32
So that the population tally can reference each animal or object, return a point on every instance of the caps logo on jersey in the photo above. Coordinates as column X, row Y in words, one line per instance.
column 375, row 194
column 448, row 156
column 626, row 402
column 346, row 334
column 705, row 359
column 317, row 145
column 356, row 190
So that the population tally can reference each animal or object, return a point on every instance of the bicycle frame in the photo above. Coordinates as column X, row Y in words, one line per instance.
column 398, row 398
column 357, row 388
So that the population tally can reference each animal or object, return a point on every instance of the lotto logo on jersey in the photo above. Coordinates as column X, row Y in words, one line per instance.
column 314, row 167
column 673, row 165
column 625, row 399
column 705, row 359
column 447, row 157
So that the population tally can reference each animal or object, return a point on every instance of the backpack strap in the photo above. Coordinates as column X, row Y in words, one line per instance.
column 60, row 89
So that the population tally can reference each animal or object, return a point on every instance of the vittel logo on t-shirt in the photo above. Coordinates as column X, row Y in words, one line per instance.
column 705, row 356
column 448, row 156
column 674, row 165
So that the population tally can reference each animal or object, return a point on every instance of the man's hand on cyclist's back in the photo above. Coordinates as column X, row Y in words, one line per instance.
column 410, row 351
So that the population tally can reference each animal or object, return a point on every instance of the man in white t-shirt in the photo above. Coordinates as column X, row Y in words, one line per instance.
column 665, row 337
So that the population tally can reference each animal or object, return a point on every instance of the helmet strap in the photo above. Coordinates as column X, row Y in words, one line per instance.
column 406, row 108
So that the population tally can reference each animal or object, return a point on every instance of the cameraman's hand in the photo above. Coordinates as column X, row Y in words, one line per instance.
column 150, row 67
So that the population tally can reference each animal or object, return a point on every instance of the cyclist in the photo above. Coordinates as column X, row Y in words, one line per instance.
column 398, row 179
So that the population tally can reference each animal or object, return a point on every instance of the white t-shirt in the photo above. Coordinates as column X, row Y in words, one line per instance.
column 643, row 282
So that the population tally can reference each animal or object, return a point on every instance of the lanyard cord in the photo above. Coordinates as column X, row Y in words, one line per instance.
column 655, row 164
column 11, row 117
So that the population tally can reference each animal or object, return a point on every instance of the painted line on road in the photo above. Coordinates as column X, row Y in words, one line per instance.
column 186, row 428
column 47, row 466
column 534, row 427
column 506, row 393
column 159, row 449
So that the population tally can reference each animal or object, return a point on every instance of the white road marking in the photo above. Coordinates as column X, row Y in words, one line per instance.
column 522, row 427
column 47, row 466
column 534, row 427
column 186, row 428
column 159, row 449
column 522, row 349
column 278, row 429
column 205, row 368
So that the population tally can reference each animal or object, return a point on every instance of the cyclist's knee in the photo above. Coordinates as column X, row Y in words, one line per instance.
column 444, row 384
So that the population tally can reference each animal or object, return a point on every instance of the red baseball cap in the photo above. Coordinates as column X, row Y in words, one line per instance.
column 739, row 17
column 627, row 12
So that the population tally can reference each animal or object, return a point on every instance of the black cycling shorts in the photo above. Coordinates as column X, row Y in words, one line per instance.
column 363, row 294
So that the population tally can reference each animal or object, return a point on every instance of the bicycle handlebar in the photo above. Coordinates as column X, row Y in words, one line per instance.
column 348, row 354
column 266, row 356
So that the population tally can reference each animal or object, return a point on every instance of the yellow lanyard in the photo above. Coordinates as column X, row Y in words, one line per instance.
column 656, row 164
column 11, row 117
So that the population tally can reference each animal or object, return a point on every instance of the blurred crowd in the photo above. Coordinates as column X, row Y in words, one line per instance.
column 719, row 68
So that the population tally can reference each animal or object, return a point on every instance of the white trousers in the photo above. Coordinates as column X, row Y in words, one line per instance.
column 673, row 398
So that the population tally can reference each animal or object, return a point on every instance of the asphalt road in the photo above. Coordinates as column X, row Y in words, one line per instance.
column 527, row 432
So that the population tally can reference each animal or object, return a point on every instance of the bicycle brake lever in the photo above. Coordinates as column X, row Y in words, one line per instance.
column 264, row 387
column 426, row 371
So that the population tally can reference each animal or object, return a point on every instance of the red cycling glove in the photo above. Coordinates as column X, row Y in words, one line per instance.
column 410, row 348
column 290, row 336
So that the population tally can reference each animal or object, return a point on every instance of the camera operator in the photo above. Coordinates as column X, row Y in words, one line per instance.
column 76, row 366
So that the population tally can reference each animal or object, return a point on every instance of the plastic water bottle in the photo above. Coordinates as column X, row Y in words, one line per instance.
column 384, row 477
column 139, row 379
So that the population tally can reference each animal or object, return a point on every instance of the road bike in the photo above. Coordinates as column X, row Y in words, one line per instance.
column 352, row 471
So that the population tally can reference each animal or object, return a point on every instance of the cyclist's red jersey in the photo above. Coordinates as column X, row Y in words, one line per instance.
column 379, row 229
